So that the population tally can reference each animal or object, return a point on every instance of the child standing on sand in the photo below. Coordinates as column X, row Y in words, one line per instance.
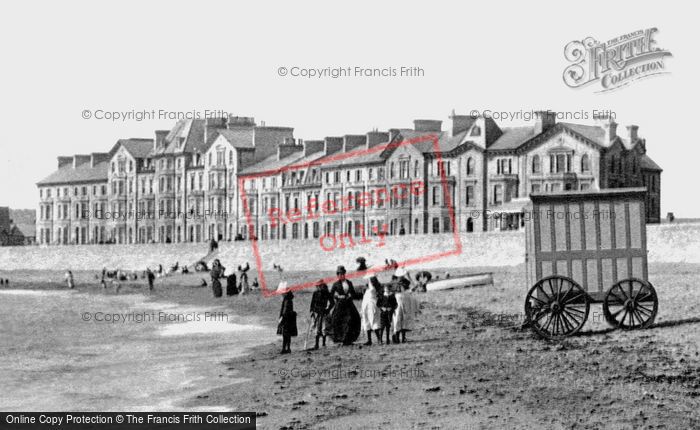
column 287, row 326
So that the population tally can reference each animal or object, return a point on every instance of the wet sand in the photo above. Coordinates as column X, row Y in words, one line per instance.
column 467, row 365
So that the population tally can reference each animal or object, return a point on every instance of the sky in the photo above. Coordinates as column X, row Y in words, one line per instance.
column 63, row 58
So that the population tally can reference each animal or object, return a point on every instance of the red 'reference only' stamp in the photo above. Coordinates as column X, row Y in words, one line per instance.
column 276, row 220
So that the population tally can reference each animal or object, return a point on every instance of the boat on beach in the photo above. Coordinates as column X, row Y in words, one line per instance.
column 462, row 281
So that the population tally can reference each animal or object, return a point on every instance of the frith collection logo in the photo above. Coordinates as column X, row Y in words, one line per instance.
column 615, row 63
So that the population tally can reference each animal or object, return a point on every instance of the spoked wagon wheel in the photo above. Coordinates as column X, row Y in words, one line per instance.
column 631, row 304
column 557, row 307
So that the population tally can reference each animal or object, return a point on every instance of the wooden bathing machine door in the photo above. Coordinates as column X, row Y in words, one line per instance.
column 594, row 237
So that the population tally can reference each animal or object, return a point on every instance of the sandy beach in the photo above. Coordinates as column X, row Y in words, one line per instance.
column 468, row 365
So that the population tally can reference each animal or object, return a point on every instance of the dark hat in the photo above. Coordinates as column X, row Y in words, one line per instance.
column 289, row 295
column 340, row 270
column 403, row 282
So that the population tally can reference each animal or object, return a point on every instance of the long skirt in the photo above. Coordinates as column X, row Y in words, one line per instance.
column 370, row 314
column 231, row 288
column 288, row 325
column 216, row 287
column 345, row 322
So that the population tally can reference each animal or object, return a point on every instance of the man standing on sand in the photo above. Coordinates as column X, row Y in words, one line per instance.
column 321, row 303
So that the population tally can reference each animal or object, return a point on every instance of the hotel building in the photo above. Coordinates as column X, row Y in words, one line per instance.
column 182, row 185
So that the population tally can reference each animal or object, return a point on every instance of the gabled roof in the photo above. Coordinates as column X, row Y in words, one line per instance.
column 137, row 147
column 242, row 137
column 186, row 136
column 83, row 173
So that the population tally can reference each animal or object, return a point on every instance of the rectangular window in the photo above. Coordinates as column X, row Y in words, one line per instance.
column 497, row 194
column 469, row 196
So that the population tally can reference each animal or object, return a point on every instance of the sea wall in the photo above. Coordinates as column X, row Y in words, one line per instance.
column 666, row 243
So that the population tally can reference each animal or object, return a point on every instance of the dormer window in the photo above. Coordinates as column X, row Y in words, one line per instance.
column 476, row 131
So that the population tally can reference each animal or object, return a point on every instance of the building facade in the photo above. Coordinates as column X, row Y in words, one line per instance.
column 183, row 186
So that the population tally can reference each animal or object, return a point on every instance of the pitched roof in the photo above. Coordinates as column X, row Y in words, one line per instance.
column 186, row 136
column 137, row 147
column 646, row 163
column 513, row 138
column 240, row 137
column 83, row 173
column 272, row 163
column 446, row 142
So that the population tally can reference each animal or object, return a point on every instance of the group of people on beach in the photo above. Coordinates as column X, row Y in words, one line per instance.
column 388, row 311
column 234, row 284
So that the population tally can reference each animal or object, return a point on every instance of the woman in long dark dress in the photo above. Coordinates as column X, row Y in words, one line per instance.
column 345, row 319
column 287, row 326
column 217, row 272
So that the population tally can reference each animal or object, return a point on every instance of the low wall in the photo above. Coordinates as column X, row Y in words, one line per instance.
column 666, row 243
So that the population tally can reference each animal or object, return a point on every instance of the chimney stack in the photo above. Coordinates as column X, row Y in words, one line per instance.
column 461, row 123
column 288, row 148
column 353, row 141
column 393, row 133
column 608, row 124
column 427, row 125
column 312, row 146
column 375, row 138
column 80, row 159
column 544, row 120
column 98, row 157
column 332, row 145
column 632, row 132
column 64, row 161
column 240, row 121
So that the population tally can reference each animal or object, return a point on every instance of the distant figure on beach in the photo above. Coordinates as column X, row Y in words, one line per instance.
column 213, row 245
column 255, row 285
column 287, row 323
column 361, row 264
column 231, row 286
column 185, row 270
column 321, row 304
column 102, row 280
column 243, row 278
column 345, row 320
column 151, row 277
column 406, row 310
column 2, row 281
column 69, row 279
column 160, row 270
column 216, row 273
column 370, row 313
